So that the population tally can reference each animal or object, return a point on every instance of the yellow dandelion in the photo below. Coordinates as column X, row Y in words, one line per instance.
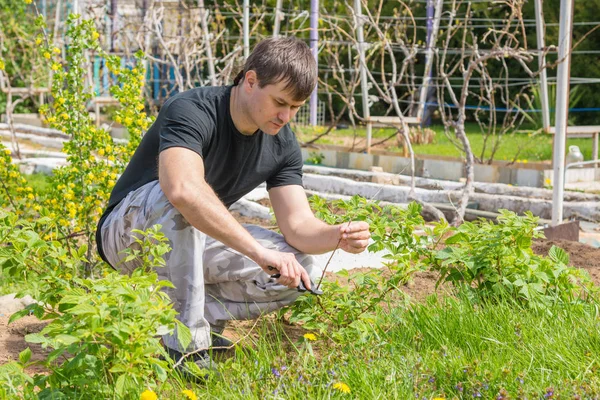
column 148, row 395
column 310, row 336
column 189, row 394
column 47, row 55
column 342, row 387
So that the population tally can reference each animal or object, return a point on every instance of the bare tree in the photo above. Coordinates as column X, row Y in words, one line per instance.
column 471, row 61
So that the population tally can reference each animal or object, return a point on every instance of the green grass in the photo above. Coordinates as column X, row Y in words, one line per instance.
column 533, row 148
column 446, row 347
column 39, row 182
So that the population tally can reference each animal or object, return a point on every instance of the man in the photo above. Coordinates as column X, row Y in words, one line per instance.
column 207, row 148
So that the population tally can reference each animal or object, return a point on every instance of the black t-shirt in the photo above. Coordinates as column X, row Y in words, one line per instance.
column 234, row 164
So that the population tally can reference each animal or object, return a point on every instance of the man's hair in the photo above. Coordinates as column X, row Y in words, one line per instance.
column 284, row 59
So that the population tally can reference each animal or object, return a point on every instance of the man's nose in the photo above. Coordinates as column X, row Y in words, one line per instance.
column 284, row 116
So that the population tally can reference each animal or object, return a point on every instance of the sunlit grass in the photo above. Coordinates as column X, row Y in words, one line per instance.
column 517, row 145
column 445, row 347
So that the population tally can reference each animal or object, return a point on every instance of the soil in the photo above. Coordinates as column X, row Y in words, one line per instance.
column 12, row 337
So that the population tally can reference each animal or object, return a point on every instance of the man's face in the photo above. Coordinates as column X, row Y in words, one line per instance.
column 271, row 107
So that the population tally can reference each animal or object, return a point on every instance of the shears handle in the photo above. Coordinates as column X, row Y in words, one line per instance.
column 301, row 287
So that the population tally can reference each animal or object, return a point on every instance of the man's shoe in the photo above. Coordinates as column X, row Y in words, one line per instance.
column 220, row 342
column 202, row 360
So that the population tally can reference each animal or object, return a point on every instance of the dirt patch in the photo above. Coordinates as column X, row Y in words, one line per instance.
column 581, row 255
column 12, row 340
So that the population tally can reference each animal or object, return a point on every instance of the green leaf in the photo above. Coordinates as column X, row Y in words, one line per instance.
column 557, row 254
column 456, row 238
column 120, row 385
column 36, row 338
column 25, row 355
column 82, row 309
column 67, row 339
column 184, row 336
column 18, row 315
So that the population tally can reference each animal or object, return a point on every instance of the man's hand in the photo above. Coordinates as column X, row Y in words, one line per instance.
column 286, row 264
column 355, row 236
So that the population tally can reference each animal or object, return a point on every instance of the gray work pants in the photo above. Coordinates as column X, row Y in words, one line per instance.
column 213, row 283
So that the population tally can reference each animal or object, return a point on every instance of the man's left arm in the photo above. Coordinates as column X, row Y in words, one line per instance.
column 307, row 233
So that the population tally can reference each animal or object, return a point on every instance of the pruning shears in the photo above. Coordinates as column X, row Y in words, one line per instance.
column 301, row 288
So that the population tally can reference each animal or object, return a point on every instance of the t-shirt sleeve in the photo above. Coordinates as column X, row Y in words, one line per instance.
column 291, row 171
column 185, row 125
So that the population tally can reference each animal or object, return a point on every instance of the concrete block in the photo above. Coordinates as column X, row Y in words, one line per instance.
column 579, row 175
column 361, row 161
column 342, row 160
column 440, row 169
column 486, row 173
column 529, row 177
column 506, row 175
column 40, row 165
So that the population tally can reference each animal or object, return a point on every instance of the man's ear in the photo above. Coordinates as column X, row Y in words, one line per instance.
column 250, row 80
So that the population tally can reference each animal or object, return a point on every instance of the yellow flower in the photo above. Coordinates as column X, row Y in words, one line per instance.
column 140, row 106
column 95, row 35
column 55, row 67
column 56, row 50
column 439, row 398
column 547, row 181
column 47, row 55
column 101, row 152
column 148, row 395
column 310, row 336
column 38, row 41
column 189, row 394
column 61, row 100
column 1, row 65
column 7, row 151
column 28, row 1
column 30, row 196
column 342, row 387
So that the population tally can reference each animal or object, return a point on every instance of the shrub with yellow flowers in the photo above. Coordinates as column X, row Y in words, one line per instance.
column 105, row 327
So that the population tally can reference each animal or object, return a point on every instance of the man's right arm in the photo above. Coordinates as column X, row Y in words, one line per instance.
column 200, row 206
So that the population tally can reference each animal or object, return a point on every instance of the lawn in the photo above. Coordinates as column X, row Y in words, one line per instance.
column 446, row 347
column 533, row 147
